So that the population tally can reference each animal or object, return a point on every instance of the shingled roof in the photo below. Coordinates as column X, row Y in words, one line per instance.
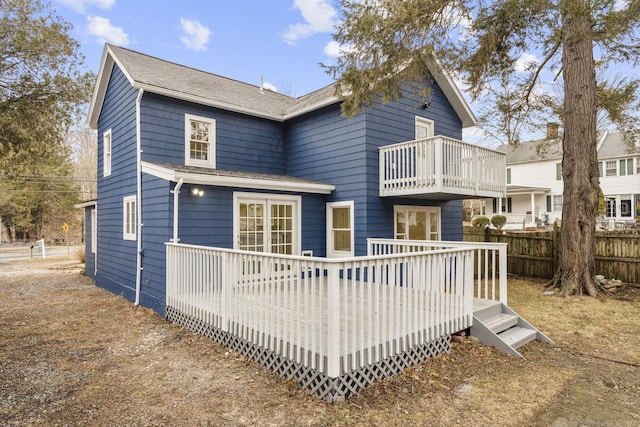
column 178, row 81
column 609, row 145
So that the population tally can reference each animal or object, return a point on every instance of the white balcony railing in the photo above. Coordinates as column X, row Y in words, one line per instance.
column 441, row 167
column 331, row 315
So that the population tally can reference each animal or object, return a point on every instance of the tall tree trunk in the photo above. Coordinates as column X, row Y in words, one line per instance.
column 576, row 270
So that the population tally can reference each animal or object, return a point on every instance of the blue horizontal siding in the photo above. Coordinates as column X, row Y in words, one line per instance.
column 116, row 259
column 242, row 143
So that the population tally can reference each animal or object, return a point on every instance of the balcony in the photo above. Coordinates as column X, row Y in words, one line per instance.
column 441, row 168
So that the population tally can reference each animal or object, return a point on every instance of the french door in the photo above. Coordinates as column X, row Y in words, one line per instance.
column 267, row 223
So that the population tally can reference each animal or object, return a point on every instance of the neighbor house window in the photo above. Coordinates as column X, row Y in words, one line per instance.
column 340, row 232
column 129, row 218
column 424, row 128
column 94, row 231
column 611, row 168
column 600, row 169
column 557, row 202
column 625, row 206
column 506, row 205
column 417, row 223
column 626, row 167
column 106, row 144
column 508, row 176
column 558, row 171
column 200, row 140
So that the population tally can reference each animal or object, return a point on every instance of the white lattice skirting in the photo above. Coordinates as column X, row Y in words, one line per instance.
column 316, row 383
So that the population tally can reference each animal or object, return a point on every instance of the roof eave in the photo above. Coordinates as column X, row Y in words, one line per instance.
column 453, row 94
column 169, row 174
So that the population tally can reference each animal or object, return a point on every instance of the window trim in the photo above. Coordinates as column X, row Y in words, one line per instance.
column 427, row 209
column 107, row 152
column 211, row 149
column 331, row 253
column 129, row 228
column 424, row 122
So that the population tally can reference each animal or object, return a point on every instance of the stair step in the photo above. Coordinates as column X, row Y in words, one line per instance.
column 516, row 337
column 484, row 309
column 501, row 322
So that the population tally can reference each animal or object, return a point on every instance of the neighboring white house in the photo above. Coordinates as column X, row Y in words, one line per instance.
column 535, row 186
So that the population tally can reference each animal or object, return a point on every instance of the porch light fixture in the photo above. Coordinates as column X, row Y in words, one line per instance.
column 197, row 192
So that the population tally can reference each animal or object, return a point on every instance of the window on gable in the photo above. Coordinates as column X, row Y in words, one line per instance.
column 508, row 176
column 106, row 145
column 611, row 169
column 558, row 171
column 340, row 229
column 200, row 140
column 129, row 218
column 424, row 128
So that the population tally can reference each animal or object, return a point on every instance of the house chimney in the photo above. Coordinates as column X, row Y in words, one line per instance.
column 552, row 130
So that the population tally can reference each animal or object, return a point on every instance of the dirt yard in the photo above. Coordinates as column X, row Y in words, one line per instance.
column 74, row 354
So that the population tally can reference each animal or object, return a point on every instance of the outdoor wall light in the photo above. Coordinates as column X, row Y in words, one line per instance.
column 197, row 192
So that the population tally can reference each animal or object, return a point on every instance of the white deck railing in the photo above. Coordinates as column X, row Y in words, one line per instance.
column 332, row 315
column 490, row 267
column 441, row 165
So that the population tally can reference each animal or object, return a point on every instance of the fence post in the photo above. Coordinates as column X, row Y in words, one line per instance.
column 555, row 248
column 333, row 321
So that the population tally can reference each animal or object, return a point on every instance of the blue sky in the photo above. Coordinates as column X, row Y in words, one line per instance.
column 282, row 40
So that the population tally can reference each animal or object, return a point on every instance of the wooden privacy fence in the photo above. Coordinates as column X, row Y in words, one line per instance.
column 535, row 253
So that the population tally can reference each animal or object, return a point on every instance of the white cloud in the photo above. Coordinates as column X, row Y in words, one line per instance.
column 525, row 61
column 269, row 86
column 195, row 35
column 334, row 49
column 106, row 32
column 82, row 5
column 319, row 17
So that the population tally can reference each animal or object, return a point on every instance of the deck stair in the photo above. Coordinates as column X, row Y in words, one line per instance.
column 497, row 325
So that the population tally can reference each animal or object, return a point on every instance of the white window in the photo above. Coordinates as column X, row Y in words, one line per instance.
column 424, row 128
column 557, row 202
column 267, row 223
column 129, row 218
column 340, row 232
column 106, row 145
column 417, row 223
column 611, row 169
column 200, row 141
column 626, row 167
column 94, row 231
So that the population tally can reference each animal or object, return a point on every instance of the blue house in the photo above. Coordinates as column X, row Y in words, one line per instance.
column 204, row 181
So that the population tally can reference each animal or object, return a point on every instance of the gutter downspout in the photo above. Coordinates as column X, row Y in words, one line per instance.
column 138, row 198
column 176, row 193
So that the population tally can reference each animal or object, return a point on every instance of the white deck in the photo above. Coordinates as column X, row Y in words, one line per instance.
column 333, row 316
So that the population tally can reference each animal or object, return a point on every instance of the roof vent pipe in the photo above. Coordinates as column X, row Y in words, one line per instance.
column 261, row 84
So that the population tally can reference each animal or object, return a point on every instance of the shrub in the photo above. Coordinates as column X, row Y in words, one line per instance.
column 81, row 255
column 480, row 221
column 498, row 221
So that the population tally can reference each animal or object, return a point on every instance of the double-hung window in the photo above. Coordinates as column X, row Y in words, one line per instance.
column 129, row 218
column 106, row 148
column 200, row 141
column 340, row 231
